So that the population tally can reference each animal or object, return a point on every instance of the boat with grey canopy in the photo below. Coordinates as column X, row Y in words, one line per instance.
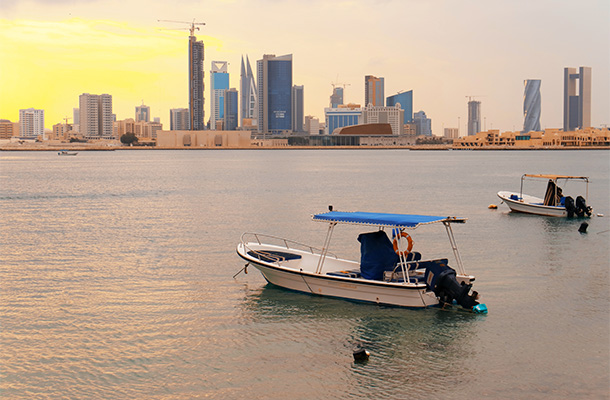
column 554, row 203
column 388, row 271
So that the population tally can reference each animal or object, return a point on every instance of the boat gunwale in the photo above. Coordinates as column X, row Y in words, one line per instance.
column 301, row 272
column 541, row 206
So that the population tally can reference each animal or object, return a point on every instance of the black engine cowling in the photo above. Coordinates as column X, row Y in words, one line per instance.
column 448, row 289
column 582, row 208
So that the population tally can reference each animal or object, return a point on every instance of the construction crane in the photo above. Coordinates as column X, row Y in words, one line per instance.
column 472, row 97
column 191, row 29
column 336, row 83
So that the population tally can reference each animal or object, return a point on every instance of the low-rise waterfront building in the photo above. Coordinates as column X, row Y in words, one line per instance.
column 549, row 138
column 344, row 115
column 8, row 129
column 142, row 129
column 203, row 139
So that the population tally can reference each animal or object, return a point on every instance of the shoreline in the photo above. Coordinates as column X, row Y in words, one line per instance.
column 408, row 148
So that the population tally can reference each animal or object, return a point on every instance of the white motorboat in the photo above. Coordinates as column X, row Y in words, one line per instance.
column 554, row 203
column 388, row 272
column 67, row 153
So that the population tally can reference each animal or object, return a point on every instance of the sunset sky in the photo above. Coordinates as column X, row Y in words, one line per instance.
column 51, row 51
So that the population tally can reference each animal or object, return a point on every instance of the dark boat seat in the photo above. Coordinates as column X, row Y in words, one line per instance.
column 273, row 256
column 352, row 273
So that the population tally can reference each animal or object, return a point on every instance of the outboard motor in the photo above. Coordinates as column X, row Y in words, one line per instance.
column 570, row 207
column 448, row 289
column 441, row 279
column 582, row 208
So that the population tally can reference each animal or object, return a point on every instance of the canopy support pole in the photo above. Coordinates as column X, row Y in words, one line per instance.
column 456, row 253
column 325, row 247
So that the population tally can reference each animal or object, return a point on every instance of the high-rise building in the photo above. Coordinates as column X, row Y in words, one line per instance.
column 405, row 99
column 576, row 108
column 312, row 125
column 298, row 108
column 248, row 92
column 336, row 99
column 219, row 83
column 143, row 113
column 384, row 115
column 274, row 79
column 231, row 109
column 373, row 91
column 451, row 133
column 95, row 116
column 196, row 86
column 474, row 117
column 423, row 124
column 179, row 119
column 531, row 105
column 31, row 123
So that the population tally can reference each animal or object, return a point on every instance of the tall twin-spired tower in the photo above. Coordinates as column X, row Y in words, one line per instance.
column 576, row 107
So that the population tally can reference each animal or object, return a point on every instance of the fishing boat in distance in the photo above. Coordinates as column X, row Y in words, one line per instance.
column 389, row 271
column 67, row 153
column 554, row 203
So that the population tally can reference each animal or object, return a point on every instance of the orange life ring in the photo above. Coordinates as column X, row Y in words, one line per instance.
column 409, row 244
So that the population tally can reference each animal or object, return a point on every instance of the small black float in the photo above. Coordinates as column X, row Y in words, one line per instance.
column 361, row 355
column 583, row 227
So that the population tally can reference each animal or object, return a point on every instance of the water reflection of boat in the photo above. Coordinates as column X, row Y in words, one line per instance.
column 388, row 272
column 67, row 153
column 554, row 204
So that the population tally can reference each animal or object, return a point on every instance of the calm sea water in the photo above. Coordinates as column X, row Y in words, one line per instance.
column 116, row 278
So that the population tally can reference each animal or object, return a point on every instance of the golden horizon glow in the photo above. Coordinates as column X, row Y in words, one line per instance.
column 51, row 63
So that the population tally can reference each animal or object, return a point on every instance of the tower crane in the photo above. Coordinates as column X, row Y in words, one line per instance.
column 472, row 97
column 193, row 24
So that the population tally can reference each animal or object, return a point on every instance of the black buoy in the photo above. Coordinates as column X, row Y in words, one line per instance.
column 361, row 355
column 583, row 227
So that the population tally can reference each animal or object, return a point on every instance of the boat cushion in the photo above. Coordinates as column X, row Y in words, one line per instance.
column 376, row 255
column 273, row 256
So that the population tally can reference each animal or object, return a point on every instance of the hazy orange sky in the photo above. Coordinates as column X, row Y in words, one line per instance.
column 54, row 50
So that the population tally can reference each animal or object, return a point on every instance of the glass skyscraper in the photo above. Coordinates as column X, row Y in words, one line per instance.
column 274, row 78
column 423, row 124
column 373, row 91
column 298, row 113
column 531, row 106
column 406, row 103
column 219, row 82
column 231, row 109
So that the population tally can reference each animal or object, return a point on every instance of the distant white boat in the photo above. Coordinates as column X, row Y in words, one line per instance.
column 67, row 153
column 554, row 203
column 387, row 273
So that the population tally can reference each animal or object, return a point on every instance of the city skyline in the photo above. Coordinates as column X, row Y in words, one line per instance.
column 55, row 51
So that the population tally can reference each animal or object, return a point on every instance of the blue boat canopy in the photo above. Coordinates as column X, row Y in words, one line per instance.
column 382, row 219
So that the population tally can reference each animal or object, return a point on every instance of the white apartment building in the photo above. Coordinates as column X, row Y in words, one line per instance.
column 31, row 123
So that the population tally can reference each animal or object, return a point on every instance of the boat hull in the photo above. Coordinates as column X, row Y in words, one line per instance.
column 531, row 205
column 413, row 295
